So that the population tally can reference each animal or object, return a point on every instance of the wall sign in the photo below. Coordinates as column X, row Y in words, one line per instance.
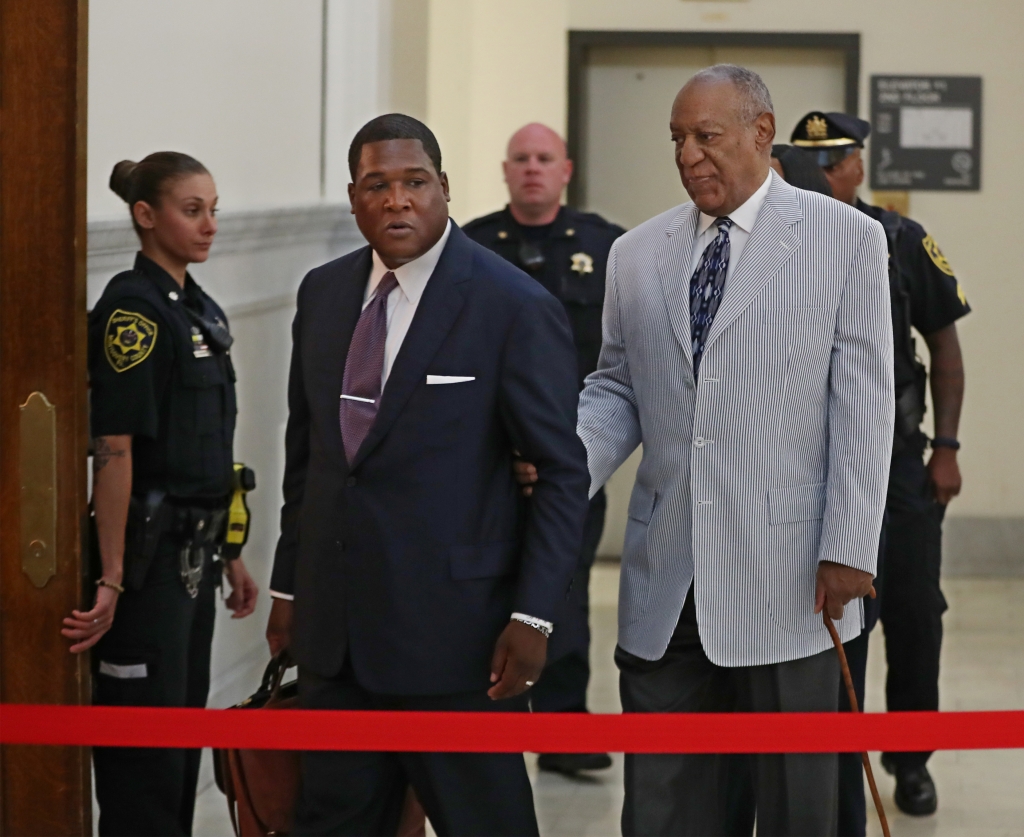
column 926, row 132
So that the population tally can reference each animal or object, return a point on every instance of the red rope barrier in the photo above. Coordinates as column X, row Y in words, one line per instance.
column 509, row 732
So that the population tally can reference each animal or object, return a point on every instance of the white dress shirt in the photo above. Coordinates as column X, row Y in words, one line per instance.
column 743, row 219
column 402, row 301
column 402, row 304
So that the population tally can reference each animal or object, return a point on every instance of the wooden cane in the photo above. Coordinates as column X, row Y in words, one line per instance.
column 852, row 695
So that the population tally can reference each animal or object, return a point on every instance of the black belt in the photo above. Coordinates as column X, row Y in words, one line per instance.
column 212, row 503
column 196, row 527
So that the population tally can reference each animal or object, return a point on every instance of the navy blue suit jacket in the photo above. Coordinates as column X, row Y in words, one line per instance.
column 412, row 560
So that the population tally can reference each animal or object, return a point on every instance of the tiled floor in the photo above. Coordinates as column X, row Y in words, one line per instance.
column 980, row 793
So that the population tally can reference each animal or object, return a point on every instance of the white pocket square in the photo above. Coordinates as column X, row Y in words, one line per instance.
column 450, row 379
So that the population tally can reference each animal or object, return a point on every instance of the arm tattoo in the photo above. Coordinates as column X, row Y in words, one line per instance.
column 103, row 453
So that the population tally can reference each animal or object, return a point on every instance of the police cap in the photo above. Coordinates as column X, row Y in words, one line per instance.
column 830, row 136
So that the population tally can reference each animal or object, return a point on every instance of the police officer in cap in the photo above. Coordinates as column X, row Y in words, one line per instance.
column 566, row 251
column 168, row 501
column 925, row 295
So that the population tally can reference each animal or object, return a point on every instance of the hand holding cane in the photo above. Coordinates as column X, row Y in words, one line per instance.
column 854, row 707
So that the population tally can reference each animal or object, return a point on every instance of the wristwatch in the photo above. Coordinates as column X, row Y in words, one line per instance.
column 945, row 442
column 537, row 624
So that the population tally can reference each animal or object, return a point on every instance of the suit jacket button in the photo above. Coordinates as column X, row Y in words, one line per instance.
column 350, row 481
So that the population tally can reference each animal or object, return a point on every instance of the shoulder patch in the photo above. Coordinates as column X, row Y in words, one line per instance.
column 935, row 254
column 128, row 340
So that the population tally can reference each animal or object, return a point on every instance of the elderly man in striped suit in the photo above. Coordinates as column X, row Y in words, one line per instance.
column 748, row 348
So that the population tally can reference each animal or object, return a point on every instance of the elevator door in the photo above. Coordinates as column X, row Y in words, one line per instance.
column 628, row 165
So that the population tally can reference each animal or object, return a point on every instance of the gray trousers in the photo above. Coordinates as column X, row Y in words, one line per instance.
column 698, row 794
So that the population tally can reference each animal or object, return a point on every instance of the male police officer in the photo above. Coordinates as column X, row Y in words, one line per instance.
column 927, row 296
column 566, row 251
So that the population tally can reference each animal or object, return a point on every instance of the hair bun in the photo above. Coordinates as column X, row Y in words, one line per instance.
column 121, row 179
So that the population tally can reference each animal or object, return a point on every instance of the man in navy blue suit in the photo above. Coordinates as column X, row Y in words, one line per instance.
column 410, row 573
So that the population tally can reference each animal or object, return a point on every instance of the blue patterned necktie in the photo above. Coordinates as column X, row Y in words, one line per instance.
column 706, row 288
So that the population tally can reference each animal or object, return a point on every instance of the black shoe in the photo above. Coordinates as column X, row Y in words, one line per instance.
column 570, row 763
column 915, row 790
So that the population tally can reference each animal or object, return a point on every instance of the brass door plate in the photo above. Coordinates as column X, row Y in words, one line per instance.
column 38, row 461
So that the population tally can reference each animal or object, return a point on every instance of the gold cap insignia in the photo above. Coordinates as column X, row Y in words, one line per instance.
column 582, row 263
column 817, row 128
column 129, row 339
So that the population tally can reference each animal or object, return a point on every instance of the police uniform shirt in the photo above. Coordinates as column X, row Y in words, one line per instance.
column 936, row 298
column 154, row 377
column 575, row 255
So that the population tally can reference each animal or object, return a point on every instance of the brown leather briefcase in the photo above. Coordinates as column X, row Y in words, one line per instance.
column 262, row 786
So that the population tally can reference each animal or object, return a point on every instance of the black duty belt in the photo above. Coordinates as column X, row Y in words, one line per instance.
column 196, row 527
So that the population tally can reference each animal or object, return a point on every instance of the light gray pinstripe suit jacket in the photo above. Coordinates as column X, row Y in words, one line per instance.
column 778, row 457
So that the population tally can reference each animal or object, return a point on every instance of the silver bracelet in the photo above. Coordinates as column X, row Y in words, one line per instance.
column 533, row 622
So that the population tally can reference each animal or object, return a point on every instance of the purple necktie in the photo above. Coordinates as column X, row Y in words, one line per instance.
column 360, row 390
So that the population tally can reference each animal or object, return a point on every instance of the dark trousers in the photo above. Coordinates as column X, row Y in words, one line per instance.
column 165, row 636
column 709, row 794
column 360, row 793
column 563, row 687
column 913, row 604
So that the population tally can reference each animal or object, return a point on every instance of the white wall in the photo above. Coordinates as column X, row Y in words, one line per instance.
column 358, row 80
column 235, row 83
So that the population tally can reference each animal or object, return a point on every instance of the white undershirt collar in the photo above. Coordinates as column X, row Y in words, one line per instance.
column 412, row 276
column 743, row 216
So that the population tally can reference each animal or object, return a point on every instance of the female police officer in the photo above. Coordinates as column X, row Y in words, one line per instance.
column 163, row 421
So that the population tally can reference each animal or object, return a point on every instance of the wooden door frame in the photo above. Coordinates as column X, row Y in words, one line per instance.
column 43, row 66
column 582, row 41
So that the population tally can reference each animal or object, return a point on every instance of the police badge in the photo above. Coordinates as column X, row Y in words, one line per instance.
column 582, row 263
column 129, row 339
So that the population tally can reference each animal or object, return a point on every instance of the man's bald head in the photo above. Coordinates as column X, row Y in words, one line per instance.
column 536, row 136
column 537, row 169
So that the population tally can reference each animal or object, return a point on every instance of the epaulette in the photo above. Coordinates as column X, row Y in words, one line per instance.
column 914, row 228
column 130, row 284
column 592, row 218
column 892, row 223
column 494, row 217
